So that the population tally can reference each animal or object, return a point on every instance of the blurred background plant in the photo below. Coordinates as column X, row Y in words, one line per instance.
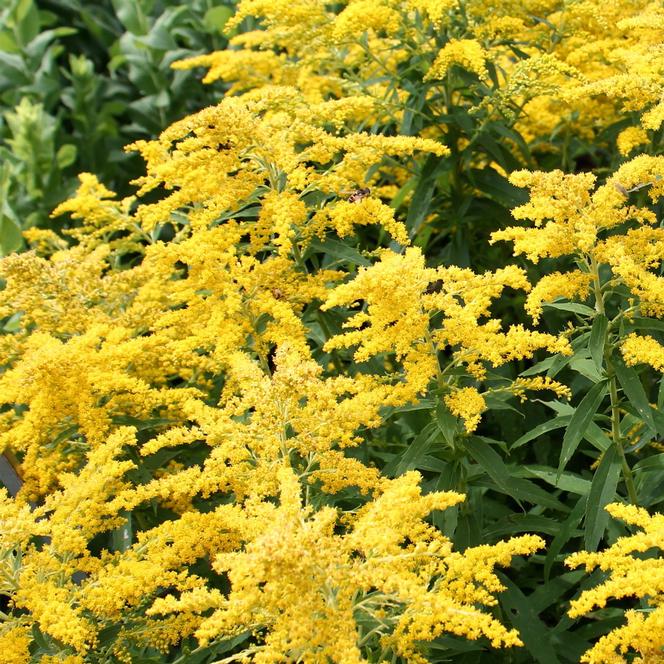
column 80, row 80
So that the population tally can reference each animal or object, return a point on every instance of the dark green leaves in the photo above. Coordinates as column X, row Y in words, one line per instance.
column 580, row 421
column 597, row 340
column 602, row 492
column 633, row 390
column 421, row 201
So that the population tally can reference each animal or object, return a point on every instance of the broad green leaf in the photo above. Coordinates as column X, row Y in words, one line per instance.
column 522, row 523
column 602, row 492
column 122, row 537
column 448, row 424
column 497, row 187
column 9, row 478
column 648, row 324
column 633, row 390
column 597, row 340
column 132, row 16
column 415, row 451
column 341, row 251
column 587, row 368
column 539, row 367
column 561, row 361
column 547, row 594
column 655, row 462
column 27, row 21
column 565, row 481
column 11, row 238
column 66, row 155
column 581, row 419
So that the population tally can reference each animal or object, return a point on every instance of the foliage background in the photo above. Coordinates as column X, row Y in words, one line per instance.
column 78, row 82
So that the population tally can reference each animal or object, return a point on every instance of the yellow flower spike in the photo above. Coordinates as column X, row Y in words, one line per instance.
column 468, row 404
column 557, row 284
column 637, row 349
column 467, row 53
column 15, row 642
column 630, row 576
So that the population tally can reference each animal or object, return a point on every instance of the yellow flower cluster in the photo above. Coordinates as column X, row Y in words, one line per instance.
column 637, row 349
column 401, row 295
column 197, row 349
column 631, row 575
column 574, row 284
column 595, row 227
column 163, row 356
column 581, row 66
column 468, row 404
column 467, row 53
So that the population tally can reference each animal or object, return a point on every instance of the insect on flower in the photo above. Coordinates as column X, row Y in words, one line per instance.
column 357, row 195
column 626, row 192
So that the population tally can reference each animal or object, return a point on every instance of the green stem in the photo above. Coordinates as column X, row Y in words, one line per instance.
column 617, row 439
column 613, row 390
column 597, row 286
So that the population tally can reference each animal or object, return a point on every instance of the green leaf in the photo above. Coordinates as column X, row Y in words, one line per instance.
column 131, row 15
column 633, row 390
column 497, row 187
column 339, row 250
column 550, row 593
column 573, row 307
column 536, row 636
column 495, row 468
column 421, row 201
column 27, row 21
column 561, row 361
column 586, row 367
column 541, row 429
column 567, row 530
column 448, row 424
column 598, row 339
column 66, row 155
column 602, row 492
column 121, row 538
column 11, row 238
column 539, row 367
column 581, row 419
column 648, row 324
column 655, row 462
column 414, row 453
column 9, row 478
column 565, row 481
column 216, row 18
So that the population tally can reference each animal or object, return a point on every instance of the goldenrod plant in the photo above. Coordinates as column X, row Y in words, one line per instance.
column 364, row 364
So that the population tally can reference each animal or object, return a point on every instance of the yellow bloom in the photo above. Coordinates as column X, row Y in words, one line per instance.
column 630, row 576
column 467, row 403
column 638, row 349
column 631, row 138
column 554, row 285
column 466, row 53
column 15, row 642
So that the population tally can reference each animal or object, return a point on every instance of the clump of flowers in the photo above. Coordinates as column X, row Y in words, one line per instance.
column 634, row 571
